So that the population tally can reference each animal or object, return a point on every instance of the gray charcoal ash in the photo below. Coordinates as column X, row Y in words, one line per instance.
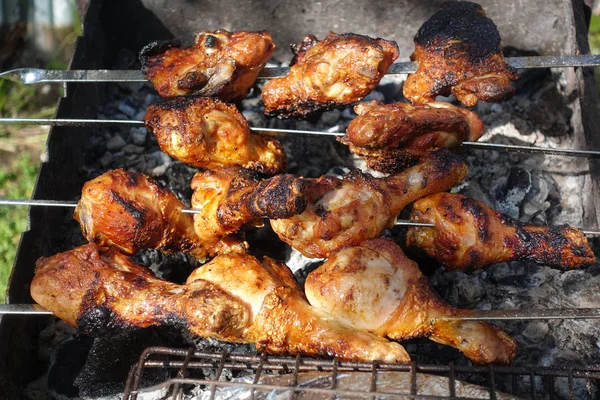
column 133, row 149
column 127, row 109
column 510, row 191
column 106, row 159
column 138, row 136
column 116, row 143
column 254, row 118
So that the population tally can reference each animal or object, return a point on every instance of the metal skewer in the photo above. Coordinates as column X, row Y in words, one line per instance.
column 299, row 132
column 36, row 75
column 475, row 315
column 73, row 204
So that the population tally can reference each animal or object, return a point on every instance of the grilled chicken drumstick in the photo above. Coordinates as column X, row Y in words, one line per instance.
column 345, row 212
column 333, row 72
column 232, row 198
column 220, row 64
column 207, row 133
column 470, row 235
column 375, row 287
column 133, row 211
column 235, row 298
column 458, row 51
column 392, row 137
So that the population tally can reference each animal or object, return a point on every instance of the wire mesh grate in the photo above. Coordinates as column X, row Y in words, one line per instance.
column 219, row 375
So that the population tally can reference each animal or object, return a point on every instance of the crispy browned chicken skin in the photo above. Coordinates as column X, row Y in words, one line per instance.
column 375, row 287
column 220, row 64
column 232, row 199
column 345, row 212
column 235, row 298
column 392, row 137
column 132, row 211
column 333, row 72
column 458, row 51
column 208, row 133
column 470, row 235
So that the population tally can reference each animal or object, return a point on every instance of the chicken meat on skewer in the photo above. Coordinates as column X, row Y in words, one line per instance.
column 208, row 133
column 458, row 52
column 392, row 137
column 347, row 211
column 333, row 72
column 376, row 288
column 232, row 199
column 132, row 211
column 235, row 298
column 470, row 235
column 219, row 64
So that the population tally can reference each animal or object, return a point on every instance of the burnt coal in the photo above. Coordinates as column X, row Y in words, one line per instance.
column 97, row 368
column 508, row 194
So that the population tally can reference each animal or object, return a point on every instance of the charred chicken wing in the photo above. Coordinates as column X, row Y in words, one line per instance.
column 376, row 288
column 220, row 64
column 133, row 211
column 392, row 137
column 470, row 235
column 208, row 133
column 232, row 198
column 345, row 212
column 458, row 51
column 333, row 72
column 235, row 298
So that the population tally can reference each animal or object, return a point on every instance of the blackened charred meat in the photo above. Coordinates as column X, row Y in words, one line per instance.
column 392, row 137
column 333, row 72
column 132, row 211
column 220, row 64
column 231, row 199
column 470, row 235
column 208, row 133
column 236, row 298
column 458, row 51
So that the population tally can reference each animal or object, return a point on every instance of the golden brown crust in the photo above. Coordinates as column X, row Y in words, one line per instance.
column 458, row 51
column 392, row 137
column 333, row 72
column 220, row 64
column 359, row 207
column 208, row 133
column 470, row 235
column 132, row 211
column 99, row 292
column 375, row 287
column 235, row 298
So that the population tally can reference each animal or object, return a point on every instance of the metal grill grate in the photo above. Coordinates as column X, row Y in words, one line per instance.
column 203, row 370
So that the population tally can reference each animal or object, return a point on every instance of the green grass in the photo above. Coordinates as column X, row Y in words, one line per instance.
column 594, row 38
column 16, row 182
